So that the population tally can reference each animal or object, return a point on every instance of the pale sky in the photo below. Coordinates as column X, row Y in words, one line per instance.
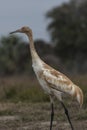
column 17, row 13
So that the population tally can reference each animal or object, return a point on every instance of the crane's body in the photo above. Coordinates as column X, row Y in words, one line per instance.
column 52, row 81
column 55, row 83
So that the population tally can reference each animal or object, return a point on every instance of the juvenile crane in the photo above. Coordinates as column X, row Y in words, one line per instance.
column 52, row 81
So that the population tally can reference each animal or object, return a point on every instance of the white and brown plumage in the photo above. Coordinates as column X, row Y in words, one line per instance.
column 52, row 81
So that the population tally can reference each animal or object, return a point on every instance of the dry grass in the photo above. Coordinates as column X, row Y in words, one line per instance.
column 21, row 88
column 36, row 116
column 24, row 106
column 81, row 81
column 27, row 88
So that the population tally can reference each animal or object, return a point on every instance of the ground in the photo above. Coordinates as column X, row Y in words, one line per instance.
column 24, row 106
column 36, row 116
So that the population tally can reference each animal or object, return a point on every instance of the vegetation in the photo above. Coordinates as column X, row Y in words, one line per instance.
column 21, row 89
column 13, row 55
column 67, row 27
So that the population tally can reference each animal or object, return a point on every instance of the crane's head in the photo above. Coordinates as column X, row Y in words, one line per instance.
column 24, row 29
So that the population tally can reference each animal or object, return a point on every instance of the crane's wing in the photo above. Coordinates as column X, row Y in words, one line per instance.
column 57, row 80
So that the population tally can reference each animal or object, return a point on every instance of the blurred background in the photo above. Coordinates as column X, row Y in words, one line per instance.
column 60, row 37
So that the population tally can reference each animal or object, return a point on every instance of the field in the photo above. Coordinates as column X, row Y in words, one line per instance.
column 24, row 106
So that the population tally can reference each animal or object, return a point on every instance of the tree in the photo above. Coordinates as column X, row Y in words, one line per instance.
column 7, row 47
column 68, row 30
column 14, row 55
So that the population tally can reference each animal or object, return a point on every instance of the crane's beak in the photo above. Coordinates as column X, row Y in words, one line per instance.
column 17, row 31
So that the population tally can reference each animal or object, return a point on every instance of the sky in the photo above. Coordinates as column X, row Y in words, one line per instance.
column 17, row 13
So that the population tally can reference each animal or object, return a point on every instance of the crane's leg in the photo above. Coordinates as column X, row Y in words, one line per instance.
column 52, row 116
column 52, row 112
column 67, row 114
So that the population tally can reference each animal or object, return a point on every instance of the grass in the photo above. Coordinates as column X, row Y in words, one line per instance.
column 36, row 115
column 81, row 81
column 15, row 89
column 26, row 88
column 21, row 97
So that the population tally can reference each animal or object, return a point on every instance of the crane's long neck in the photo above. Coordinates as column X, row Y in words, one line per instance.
column 32, row 48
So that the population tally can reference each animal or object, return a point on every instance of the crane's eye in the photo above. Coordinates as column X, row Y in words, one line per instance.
column 23, row 28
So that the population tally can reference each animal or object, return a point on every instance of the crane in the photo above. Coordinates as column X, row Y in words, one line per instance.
column 53, row 82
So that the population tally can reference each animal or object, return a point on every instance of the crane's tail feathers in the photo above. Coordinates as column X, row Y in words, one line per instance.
column 79, row 95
